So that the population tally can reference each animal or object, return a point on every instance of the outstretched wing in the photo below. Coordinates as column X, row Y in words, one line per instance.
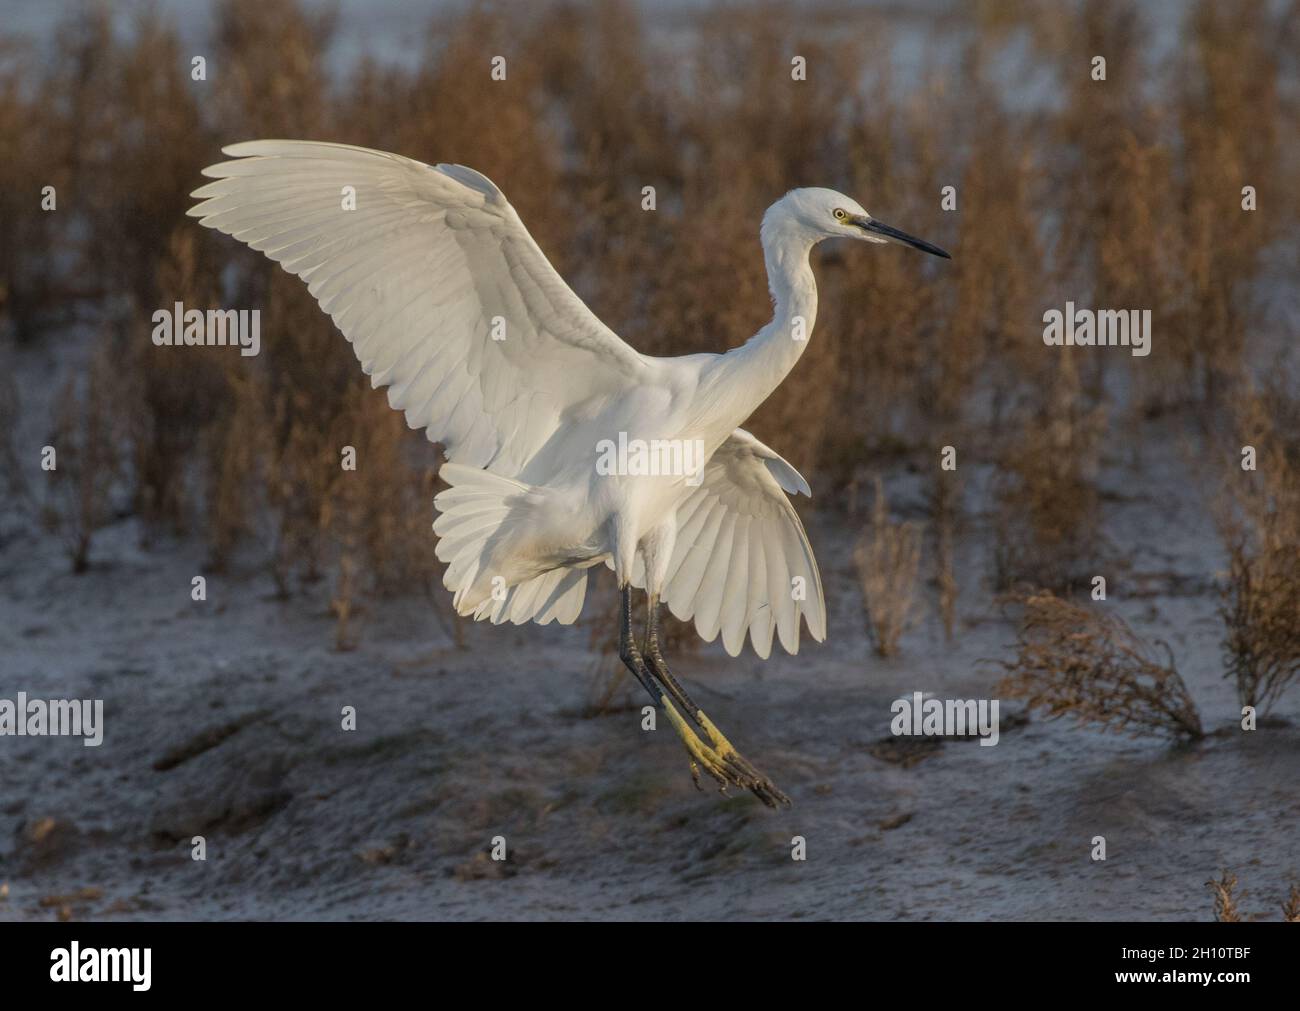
column 742, row 560
column 446, row 298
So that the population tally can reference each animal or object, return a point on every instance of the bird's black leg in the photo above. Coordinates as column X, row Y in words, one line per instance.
column 627, row 651
column 701, row 754
column 738, row 767
column 658, row 666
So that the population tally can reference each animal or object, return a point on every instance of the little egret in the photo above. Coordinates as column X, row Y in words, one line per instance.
column 448, row 302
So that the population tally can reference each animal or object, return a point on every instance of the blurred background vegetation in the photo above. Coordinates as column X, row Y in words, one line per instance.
column 1125, row 193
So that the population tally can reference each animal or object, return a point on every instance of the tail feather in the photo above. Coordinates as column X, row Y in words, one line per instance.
column 472, row 511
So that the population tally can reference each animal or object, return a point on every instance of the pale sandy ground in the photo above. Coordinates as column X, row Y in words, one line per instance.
column 456, row 746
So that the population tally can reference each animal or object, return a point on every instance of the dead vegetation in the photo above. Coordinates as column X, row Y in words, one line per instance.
column 1291, row 907
column 888, row 556
column 84, row 466
column 1224, row 888
column 1259, row 522
column 12, row 473
column 945, row 518
column 1088, row 664
column 1227, row 899
column 1047, row 525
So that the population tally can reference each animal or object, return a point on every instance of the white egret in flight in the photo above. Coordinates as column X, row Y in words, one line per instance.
column 448, row 302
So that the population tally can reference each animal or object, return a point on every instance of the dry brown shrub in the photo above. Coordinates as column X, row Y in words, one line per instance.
column 1087, row 663
column 887, row 557
column 1291, row 907
column 234, row 449
column 1151, row 166
column 171, row 394
column 1225, row 898
column 268, row 72
column 377, row 518
column 1259, row 522
column 134, row 140
column 30, row 278
column 1229, row 109
column 12, row 478
column 1046, row 522
column 371, row 526
column 86, row 439
column 945, row 518
column 988, row 301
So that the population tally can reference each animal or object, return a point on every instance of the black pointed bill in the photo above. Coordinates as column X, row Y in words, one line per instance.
column 898, row 235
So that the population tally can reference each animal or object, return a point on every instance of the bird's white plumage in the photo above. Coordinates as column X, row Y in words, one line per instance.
column 742, row 561
column 431, row 264
column 415, row 277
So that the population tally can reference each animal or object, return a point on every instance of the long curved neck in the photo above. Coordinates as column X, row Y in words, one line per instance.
column 747, row 375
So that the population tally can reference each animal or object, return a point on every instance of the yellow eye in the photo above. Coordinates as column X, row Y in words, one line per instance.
column 840, row 214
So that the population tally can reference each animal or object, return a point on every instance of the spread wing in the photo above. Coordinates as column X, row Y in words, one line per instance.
column 432, row 277
column 742, row 560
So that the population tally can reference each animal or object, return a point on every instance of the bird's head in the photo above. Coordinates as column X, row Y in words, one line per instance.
column 819, row 214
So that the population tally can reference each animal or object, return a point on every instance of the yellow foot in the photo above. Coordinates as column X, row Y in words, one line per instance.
column 722, row 761
column 767, row 791
column 701, row 754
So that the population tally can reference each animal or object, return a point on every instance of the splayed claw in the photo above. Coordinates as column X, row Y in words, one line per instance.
column 722, row 761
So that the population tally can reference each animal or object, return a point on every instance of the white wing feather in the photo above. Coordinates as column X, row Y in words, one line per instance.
column 740, row 547
column 417, row 277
